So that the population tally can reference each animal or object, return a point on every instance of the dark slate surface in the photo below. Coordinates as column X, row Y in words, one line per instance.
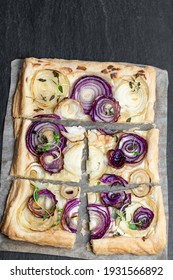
column 118, row 30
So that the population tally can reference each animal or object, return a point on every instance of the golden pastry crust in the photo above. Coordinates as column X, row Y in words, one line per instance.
column 153, row 244
column 26, row 165
column 114, row 73
column 145, row 171
column 16, row 227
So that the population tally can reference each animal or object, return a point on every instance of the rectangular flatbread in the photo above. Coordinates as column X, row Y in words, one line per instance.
column 40, row 213
column 86, row 90
column 47, row 150
column 130, row 155
column 127, row 222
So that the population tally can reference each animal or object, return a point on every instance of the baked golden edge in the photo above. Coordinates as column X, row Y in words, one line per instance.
column 10, row 226
column 129, row 245
column 20, row 103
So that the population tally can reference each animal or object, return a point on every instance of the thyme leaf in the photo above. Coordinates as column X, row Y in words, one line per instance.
column 60, row 88
column 46, row 148
column 42, row 80
column 56, row 136
column 128, row 120
column 52, row 97
column 38, row 109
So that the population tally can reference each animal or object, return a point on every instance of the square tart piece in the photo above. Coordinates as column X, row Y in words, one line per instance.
column 47, row 150
column 127, row 222
column 41, row 213
column 129, row 157
column 86, row 90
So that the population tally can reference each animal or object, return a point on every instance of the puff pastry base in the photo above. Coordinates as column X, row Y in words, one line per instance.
column 26, row 165
column 153, row 244
column 97, row 164
column 112, row 72
column 15, row 227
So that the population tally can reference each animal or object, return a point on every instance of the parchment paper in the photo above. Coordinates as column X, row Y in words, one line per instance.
column 80, row 250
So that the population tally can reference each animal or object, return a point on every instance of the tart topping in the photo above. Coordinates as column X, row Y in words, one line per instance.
column 43, row 203
column 113, row 180
column 100, row 220
column 44, row 136
column 87, row 88
column 48, row 87
column 118, row 200
column 105, row 109
column 70, row 215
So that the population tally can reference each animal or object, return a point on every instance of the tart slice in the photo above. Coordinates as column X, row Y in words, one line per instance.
column 86, row 90
column 131, row 221
column 42, row 213
column 47, row 150
column 120, row 157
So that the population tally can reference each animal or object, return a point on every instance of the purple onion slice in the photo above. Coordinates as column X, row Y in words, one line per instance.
column 113, row 180
column 119, row 200
column 52, row 161
column 48, row 116
column 70, row 215
column 105, row 109
column 116, row 158
column 100, row 217
column 142, row 218
column 88, row 88
column 39, row 208
column 44, row 136
column 133, row 146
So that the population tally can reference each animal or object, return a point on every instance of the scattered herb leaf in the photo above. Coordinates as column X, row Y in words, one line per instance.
column 43, row 97
column 98, row 183
column 52, row 97
column 42, row 80
column 38, row 109
column 117, row 138
column 44, row 217
column 128, row 120
column 46, row 148
column 114, row 215
column 132, row 226
column 56, row 136
column 60, row 88
column 56, row 74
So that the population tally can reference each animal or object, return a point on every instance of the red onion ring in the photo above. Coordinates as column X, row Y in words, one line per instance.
column 87, row 88
column 57, row 161
column 105, row 109
column 103, row 217
column 133, row 146
column 116, row 158
column 35, row 137
column 40, row 212
column 113, row 180
column 143, row 215
column 47, row 116
column 70, row 212
column 118, row 199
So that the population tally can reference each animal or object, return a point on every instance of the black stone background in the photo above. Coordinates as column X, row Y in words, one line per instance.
column 104, row 30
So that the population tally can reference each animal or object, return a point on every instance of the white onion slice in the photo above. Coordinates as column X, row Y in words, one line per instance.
column 97, row 163
column 70, row 109
column 72, row 159
column 132, row 98
column 74, row 133
column 48, row 89
column 69, row 192
column 139, row 176
column 141, row 191
column 27, row 220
